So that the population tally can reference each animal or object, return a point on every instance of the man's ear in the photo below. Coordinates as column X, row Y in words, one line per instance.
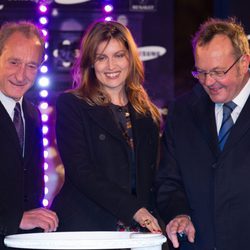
column 244, row 62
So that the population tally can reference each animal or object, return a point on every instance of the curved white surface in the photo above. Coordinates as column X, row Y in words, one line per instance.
column 85, row 240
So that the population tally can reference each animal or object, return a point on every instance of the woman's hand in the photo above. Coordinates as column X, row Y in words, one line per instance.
column 146, row 219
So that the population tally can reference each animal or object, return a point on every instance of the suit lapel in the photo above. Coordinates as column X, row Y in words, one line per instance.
column 241, row 126
column 104, row 118
column 29, row 130
column 7, row 125
column 204, row 117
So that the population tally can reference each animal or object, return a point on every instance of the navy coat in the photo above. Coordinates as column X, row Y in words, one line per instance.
column 195, row 178
column 21, row 178
column 97, row 189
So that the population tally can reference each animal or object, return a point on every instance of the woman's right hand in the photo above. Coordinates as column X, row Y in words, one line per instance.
column 146, row 219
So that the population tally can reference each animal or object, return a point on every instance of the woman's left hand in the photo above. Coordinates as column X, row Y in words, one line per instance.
column 146, row 219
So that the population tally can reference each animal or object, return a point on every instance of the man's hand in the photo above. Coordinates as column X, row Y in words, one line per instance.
column 180, row 224
column 39, row 218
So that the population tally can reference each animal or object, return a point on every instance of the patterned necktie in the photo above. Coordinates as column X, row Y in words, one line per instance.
column 227, row 123
column 18, row 122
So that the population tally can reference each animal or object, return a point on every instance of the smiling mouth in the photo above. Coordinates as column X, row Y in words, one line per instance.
column 18, row 84
column 112, row 75
column 215, row 89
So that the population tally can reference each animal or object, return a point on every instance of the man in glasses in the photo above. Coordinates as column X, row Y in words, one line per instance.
column 21, row 149
column 204, row 177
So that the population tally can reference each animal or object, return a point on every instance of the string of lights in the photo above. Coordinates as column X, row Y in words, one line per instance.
column 43, row 83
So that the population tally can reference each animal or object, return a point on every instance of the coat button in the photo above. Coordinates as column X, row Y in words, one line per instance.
column 215, row 165
column 102, row 137
column 25, row 198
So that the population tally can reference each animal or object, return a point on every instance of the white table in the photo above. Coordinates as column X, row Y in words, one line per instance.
column 86, row 240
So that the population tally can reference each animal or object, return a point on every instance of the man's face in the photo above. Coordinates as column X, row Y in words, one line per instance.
column 19, row 64
column 218, row 55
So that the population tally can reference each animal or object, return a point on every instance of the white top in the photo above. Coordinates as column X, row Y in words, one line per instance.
column 85, row 240
column 239, row 100
column 9, row 104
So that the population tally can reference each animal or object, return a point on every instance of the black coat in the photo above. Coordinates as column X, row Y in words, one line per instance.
column 195, row 178
column 21, row 178
column 96, row 193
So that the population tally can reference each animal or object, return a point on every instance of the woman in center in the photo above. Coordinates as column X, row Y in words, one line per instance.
column 107, row 133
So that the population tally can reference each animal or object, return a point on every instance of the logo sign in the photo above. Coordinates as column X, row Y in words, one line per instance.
column 143, row 5
column 151, row 52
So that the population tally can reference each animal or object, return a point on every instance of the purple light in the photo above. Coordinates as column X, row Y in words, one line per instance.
column 44, row 105
column 108, row 8
column 43, row 93
column 45, row 202
column 46, row 178
column 45, row 117
column 45, row 154
column 46, row 57
column 108, row 18
column 45, row 32
column 44, row 69
column 43, row 8
column 45, row 166
column 45, row 129
column 43, row 20
column 45, row 142
column 43, row 81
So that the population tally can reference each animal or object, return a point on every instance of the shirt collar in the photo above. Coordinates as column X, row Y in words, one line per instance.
column 9, row 103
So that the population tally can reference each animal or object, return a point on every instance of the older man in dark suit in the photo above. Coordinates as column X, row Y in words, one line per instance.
column 203, row 181
column 21, row 150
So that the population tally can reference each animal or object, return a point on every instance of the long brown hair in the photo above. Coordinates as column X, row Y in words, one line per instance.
column 86, row 85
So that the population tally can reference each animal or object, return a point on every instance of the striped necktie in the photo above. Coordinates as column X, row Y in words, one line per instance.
column 18, row 122
column 227, row 123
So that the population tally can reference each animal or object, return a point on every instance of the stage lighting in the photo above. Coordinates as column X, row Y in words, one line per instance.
column 45, row 154
column 43, row 93
column 44, row 69
column 45, row 32
column 46, row 178
column 108, row 18
column 43, row 105
column 43, row 81
column 45, row 129
column 43, row 20
column 45, row 142
column 45, row 166
column 43, row 8
column 108, row 8
column 45, row 202
column 45, row 117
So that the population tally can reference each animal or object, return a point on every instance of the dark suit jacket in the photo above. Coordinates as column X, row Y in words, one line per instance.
column 96, row 192
column 196, row 179
column 21, row 178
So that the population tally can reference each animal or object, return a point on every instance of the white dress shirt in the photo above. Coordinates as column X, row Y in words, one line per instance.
column 9, row 104
column 239, row 100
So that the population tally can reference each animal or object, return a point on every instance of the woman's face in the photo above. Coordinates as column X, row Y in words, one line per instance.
column 112, row 66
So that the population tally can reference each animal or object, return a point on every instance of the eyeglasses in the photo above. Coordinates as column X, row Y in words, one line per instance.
column 215, row 74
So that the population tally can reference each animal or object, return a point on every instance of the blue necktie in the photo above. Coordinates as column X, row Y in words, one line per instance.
column 18, row 122
column 227, row 123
